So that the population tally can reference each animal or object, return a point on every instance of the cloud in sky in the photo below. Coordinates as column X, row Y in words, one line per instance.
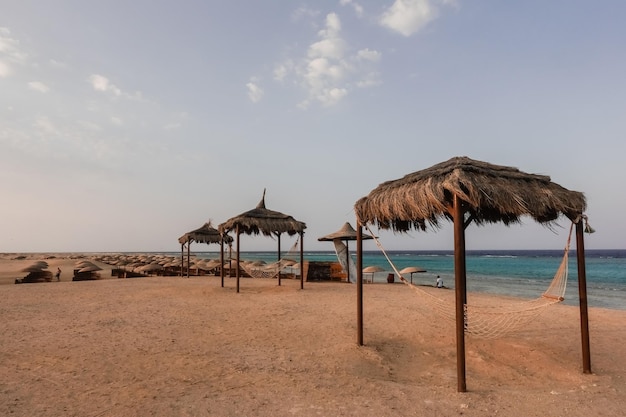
column 255, row 93
column 10, row 53
column 409, row 16
column 102, row 84
column 331, row 68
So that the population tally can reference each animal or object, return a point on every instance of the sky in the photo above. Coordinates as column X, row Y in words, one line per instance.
column 125, row 124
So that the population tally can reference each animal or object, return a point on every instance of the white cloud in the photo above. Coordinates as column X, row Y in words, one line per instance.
column 282, row 70
column 102, row 84
column 116, row 121
column 255, row 93
column 358, row 9
column 10, row 52
column 326, row 66
column 330, row 69
column 369, row 55
column 38, row 86
column 332, row 96
column 408, row 16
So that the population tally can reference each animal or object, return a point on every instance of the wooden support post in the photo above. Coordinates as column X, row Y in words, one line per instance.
column 460, row 291
column 188, row 256
column 238, row 251
column 359, row 282
column 582, row 295
column 222, row 261
column 278, row 235
column 301, row 260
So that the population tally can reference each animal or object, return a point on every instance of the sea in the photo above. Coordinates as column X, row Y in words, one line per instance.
column 517, row 273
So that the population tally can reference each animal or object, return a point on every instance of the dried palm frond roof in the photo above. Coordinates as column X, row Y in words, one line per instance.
column 346, row 232
column 262, row 220
column 490, row 194
column 205, row 234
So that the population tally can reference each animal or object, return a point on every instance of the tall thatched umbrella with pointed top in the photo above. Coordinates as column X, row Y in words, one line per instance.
column 269, row 223
column 346, row 233
column 467, row 191
column 205, row 234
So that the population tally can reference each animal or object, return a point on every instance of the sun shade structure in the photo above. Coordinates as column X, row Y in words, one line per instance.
column 466, row 191
column 412, row 270
column 205, row 234
column 345, row 234
column 261, row 220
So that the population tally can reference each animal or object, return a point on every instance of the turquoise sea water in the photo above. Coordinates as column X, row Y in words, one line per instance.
column 521, row 273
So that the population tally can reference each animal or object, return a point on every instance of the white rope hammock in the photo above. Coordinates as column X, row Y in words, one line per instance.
column 493, row 321
column 271, row 270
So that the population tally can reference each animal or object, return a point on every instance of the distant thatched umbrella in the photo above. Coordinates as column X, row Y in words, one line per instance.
column 412, row 270
column 372, row 270
column 205, row 234
column 463, row 190
column 346, row 233
column 269, row 223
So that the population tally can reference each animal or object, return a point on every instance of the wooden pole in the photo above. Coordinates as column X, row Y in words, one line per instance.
column 359, row 282
column 582, row 295
column 182, row 260
column 222, row 261
column 460, row 291
column 301, row 260
column 347, row 261
column 278, row 235
column 188, row 256
column 238, row 251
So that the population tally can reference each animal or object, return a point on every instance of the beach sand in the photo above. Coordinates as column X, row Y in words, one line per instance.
column 171, row 346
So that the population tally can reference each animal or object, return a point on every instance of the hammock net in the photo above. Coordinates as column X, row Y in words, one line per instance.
column 271, row 270
column 494, row 321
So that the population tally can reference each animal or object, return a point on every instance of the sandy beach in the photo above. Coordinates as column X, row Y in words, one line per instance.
column 171, row 346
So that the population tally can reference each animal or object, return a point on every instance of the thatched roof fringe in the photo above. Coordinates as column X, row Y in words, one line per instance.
column 491, row 193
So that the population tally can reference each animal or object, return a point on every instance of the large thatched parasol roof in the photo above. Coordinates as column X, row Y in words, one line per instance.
column 262, row 220
column 490, row 194
column 205, row 234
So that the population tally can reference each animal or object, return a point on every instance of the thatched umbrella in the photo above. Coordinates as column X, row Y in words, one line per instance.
column 205, row 234
column 463, row 191
column 345, row 234
column 269, row 223
column 372, row 270
column 412, row 270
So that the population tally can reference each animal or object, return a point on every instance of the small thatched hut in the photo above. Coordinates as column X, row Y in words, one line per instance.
column 261, row 220
column 467, row 191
